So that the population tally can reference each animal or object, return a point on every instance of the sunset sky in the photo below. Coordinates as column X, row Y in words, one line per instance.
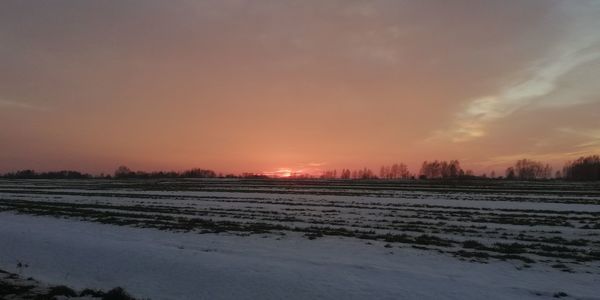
column 259, row 86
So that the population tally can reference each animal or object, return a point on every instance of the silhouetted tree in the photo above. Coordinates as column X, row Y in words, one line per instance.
column 395, row 171
column 526, row 169
column 441, row 169
column 23, row 174
column 510, row 173
column 364, row 173
column 331, row 174
column 199, row 173
column 346, row 174
column 124, row 172
column 584, row 168
column 248, row 175
column 558, row 174
column 31, row 174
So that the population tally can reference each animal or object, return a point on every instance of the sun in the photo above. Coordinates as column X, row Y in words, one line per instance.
column 284, row 172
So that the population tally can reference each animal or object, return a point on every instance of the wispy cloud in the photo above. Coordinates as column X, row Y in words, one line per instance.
column 546, row 157
column 591, row 136
column 316, row 164
column 471, row 122
column 534, row 92
column 21, row 105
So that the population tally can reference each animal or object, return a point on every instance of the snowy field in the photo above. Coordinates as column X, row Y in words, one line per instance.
column 232, row 239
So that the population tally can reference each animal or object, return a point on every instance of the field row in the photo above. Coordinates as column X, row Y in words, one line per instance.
column 559, row 234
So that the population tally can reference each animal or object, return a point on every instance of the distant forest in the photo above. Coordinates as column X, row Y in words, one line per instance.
column 583, row 169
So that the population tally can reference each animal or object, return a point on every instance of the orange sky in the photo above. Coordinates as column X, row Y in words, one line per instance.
column 260, row 86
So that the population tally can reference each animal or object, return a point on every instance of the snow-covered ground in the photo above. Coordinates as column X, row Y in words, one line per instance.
column 227, row 239
column 167, row 265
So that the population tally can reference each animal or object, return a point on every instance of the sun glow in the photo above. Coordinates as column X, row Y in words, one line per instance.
column 284, row 173
column 298, row 172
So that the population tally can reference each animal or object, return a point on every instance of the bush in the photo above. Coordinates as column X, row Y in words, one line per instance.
column 514, row 248
column 471, row 244
column 313, row 235
column 560, row 295
column 90, row 292
column 61, row 290
column 425, row 239
column 117, row 293
column 469, row 254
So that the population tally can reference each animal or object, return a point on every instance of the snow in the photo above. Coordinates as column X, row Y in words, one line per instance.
column 459, row 200
column 168, row 265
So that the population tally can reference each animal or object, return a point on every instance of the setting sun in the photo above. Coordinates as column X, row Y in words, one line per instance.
column 281, row 172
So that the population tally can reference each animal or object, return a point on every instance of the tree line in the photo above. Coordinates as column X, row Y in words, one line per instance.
column 526, row 169
column 582, row 169
column 586, row 168
column 399, row 171
column 31, row 174
column 123, row 172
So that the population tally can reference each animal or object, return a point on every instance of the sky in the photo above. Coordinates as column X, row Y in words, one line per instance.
column 261, row 86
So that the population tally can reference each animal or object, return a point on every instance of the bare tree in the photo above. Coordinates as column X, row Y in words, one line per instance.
column 395, row 171
column 441, row 169
column 526, row 169
column 584, row 168
column 345, row 174
column 124, row 172
column 330, row 174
